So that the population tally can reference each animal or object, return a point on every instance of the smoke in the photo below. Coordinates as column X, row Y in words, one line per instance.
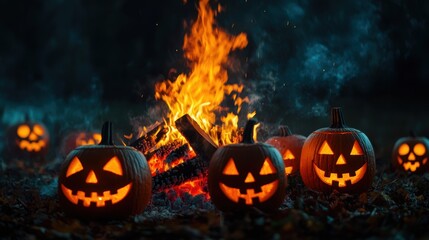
column 62, row 61
column 45, row 70
column 304, row 53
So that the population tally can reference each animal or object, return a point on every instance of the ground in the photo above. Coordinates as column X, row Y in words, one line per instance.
column 396, row 207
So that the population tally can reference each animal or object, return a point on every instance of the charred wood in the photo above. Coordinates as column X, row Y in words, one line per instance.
column 150, row 139
column 178, row 153
column 164, row 150
column 199, row 140
column 195, row 168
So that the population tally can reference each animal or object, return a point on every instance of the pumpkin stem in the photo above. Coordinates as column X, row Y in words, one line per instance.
column 337, row 119
column 106, row 134
column 284, row 131
column 248, row 131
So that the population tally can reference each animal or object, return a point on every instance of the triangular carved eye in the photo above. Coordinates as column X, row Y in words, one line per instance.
column 114, row 166
column 356, row 150
column 288, row 155
column 230, row 168
column 74, row 167
column 267, row 168
column 326, row 149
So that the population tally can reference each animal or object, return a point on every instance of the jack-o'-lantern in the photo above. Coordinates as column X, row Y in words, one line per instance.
column 289, row 146
column 104, row 181
column 246, row 175
column 28, row 139
column 337, row 157
column 79, row 138
column 410, row 154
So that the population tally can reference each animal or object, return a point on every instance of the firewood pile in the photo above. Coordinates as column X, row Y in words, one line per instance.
column 193, row 167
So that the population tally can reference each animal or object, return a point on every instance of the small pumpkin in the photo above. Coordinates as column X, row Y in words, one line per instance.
column 247, row 175
column 28, row 139
column 76, row 139
column 290, row 147
column 104, row 181
column 410, row 154
column 337, row 157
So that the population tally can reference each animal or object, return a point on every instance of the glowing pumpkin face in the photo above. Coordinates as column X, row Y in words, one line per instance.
column 249, row 185
column 338, row 158
column 247, row 175
column 95, row 192
column 289, row 146
column 410, row 154
column 345, row 167
column 77, row 139
column 104, row 181
column 89, row 138
column 29, row 139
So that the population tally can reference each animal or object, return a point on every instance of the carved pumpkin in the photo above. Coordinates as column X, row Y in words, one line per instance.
column 246, row 175
column 410, row 154
column 104, row 181
column 337, row 157
column 79, row 138
column 28, row 139
column 289, row 146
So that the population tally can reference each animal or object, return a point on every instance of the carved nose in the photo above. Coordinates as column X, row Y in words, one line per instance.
column 249, row 178
column 33, row 137
column 412, row 157
column 341, row 160
column 91, row 177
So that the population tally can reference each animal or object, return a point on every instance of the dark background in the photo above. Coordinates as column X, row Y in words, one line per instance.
column 74, row 64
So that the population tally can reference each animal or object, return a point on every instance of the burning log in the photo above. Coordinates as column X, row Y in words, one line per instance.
column 163, row 150
column 199, row 140
column 178, row 153
column 195, row 168
column 148, row 141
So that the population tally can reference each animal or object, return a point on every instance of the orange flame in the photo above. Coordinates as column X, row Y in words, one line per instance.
column 201, row 92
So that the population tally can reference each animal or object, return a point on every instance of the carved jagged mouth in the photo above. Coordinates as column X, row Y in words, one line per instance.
column 32, row 146
column 288, row 170
column 95, row 199
column 343, row 179
column 234, row 194
column 411, row 166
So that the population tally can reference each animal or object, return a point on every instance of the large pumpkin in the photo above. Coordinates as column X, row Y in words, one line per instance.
column 104, row 181
column 289, row 146
column 337, row 157
column 247, row 175
column 410, row 154
column 28, row 139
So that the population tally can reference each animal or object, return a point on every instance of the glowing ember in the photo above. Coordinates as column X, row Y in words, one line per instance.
column 201, row 92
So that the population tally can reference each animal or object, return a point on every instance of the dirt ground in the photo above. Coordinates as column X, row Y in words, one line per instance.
column 396, row 207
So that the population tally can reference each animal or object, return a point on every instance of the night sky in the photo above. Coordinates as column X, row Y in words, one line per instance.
column 72, row 64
